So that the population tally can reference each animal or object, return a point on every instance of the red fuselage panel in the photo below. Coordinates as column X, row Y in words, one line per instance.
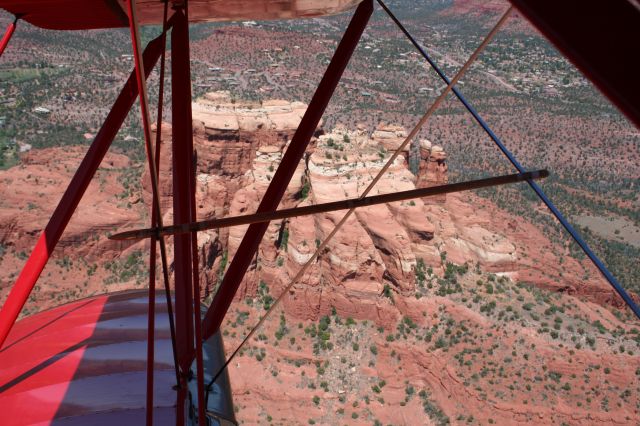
column 85, row 363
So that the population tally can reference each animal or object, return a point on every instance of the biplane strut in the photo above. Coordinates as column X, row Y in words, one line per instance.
column 8, row 34
column 349, row 204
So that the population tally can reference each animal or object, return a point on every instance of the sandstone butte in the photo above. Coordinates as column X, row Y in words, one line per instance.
column 381, row 271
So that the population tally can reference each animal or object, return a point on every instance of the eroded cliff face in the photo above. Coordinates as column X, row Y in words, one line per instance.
column 29, row 194
column 239, row 147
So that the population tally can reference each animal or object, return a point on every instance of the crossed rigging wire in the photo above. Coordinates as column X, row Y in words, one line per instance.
column 375, row 180
column 332, row 206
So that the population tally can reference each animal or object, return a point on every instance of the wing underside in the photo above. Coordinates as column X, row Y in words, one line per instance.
column 95, row 14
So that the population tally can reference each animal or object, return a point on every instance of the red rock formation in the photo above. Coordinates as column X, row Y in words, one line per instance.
column 31, row 191
column 29, row 194
column 239, row 145
column 379, row 245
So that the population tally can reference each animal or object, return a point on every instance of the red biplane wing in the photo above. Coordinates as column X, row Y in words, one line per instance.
column 94, row 14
